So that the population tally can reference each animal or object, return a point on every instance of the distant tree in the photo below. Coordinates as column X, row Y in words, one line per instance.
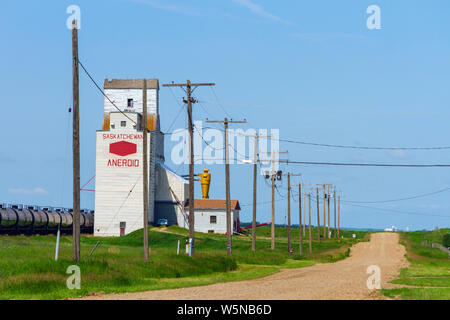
column 446, row 241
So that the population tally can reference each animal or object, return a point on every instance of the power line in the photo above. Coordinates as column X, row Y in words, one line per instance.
column 206, row 111
column 384, row 209
column 371, row 164
column 362, row 147
column 402, row 199
column 348, row 146
column 179, row 112
column 220, row 104
column 396, row 211
column 103, row 93
column 207, row 143
column 359, row 147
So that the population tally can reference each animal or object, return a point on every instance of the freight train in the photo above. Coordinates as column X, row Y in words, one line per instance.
column 28, row 220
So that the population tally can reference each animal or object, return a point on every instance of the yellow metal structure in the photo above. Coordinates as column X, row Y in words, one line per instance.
column 205, row 179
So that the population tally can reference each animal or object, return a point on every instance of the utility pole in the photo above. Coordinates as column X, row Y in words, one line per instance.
column 255, row 172
column 189, row 101
column 289, row 175
column 272, row 233
column 300, row 218
column 339, row 214
column 226, row 122
column 326, row 226
column 324, row 213
column 329, row 222
column 304, row 215
column 289, row 212
column 145, row 166
column 309, row 224
column 301, row 225
column 273, row 177
column 76, row 145
column 318, row 216
column 338, row 197
column 334, row 196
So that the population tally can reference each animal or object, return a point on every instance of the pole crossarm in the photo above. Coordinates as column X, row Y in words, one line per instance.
column 185, row 84
column 276, row 152
column 253, row 135
column 225, row 121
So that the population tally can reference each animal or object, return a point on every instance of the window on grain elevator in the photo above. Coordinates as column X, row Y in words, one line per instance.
column 123, row 124
column 213, row 219
column 130, row 103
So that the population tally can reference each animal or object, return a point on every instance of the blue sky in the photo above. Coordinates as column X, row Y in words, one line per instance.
column 309, row 68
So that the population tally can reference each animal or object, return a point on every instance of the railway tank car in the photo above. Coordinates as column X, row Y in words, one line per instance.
column 19, row 219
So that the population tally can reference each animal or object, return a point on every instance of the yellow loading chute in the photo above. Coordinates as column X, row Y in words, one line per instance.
column 205, row 180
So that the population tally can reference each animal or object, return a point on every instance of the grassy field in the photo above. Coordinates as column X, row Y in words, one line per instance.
column 28, row 269
column 429, row 272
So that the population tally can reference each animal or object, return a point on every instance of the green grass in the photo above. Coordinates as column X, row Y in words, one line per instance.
column 418, row 293
column 28, row 269
column 429, row 268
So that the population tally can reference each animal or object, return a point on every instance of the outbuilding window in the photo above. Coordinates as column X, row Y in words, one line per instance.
column 213, row 219
column 130, row 103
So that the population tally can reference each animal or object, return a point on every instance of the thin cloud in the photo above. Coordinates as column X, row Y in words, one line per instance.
column 398, row 154
column 430, row 206
column 35, row 191
column 260, row 11
column 324, row 37
column 168, row 7
column 6, row 159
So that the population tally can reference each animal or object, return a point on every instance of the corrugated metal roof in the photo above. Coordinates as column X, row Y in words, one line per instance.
column 214, row 204
column 130, row 84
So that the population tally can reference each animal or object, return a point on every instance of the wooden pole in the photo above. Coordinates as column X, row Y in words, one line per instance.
column 300, row 219
column 255, row 172
column 227, row 182
column 309, row 224
column 334, row 198
column 304, row 217
column 191, row 171
column 76, row 146
column 329, row 222
column 289, row 212
column 324, row 213
column 255, row 169
column 230, row 230
column 273, row 203
column 339, row 214
column 318, row 216
column 189, row 102
column 145, row 167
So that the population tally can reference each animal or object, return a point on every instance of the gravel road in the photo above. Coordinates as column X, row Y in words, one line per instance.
column 346, row 279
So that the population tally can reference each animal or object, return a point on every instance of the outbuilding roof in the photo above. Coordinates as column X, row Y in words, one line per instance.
column 130, row 84
column 214, row 204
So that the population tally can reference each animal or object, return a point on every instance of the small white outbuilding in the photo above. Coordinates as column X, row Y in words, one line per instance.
column 210, row 215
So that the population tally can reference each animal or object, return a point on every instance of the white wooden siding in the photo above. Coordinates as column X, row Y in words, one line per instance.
column 166, row 178
column 120, row 98
column 202, row 220
column 114, row 203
